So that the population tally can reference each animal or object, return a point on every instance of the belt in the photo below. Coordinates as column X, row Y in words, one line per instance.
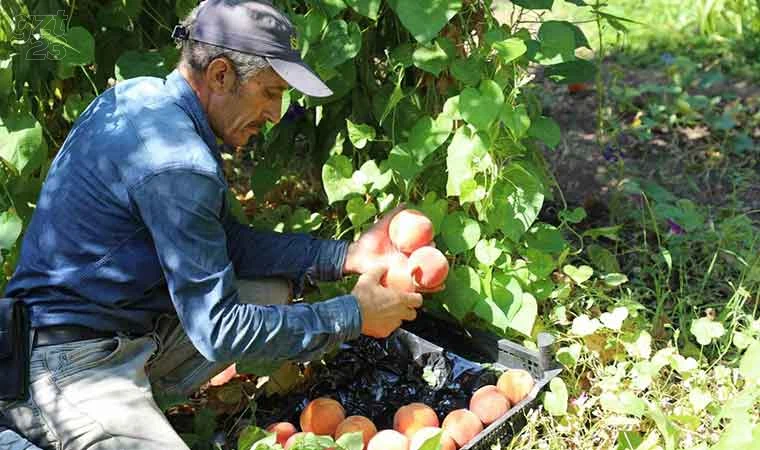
column 62, row 334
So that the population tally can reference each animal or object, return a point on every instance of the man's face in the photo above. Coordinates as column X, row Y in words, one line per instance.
column 238, row 111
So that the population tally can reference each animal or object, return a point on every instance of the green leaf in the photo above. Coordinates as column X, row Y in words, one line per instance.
column 584, row 326
column 434, row 208
column 75, row 105
column 603, row 259
column 577, row 71
column 367, row 8
column 432, row 443
column 491, row 313
column 668, row 431
column 10, row 229
column 402, row 162
column 430, row 58
column 465, row 153
column 463, row 291
column 467, row 70
column 614, row 320
column 614, row 279
column 425, row 19
column 359, row 211
column 329, row 7
column 625, row 403
column 516, row 119
column 569, row 356
column 304, row 221
column 534, row 4
column 507, row 293
column 6, row 79
column 359, row 134
column 133, row 64
column 510, row 49
column 487, row 252
column 21, row 142
column 706, row 329
column 338, row 181
column 183, row 7
column 351, row 441
column 74, row 48
column 575, row 216
column 557, row 42
column 481, row 106
column 341, row 42
column 371, row 175
column 555, row 401
column 523, row 321
column 546, row 238
column 547, row 130
column 460, row 232
column 427, row 135
column 517, row 200
column 749, row 366
column 578, row 274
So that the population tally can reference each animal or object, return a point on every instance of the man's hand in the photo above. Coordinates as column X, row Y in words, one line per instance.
column 374, row 248
column 383, row 309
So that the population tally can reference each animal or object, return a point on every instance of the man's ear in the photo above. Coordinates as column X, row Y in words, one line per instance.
column 220, row 76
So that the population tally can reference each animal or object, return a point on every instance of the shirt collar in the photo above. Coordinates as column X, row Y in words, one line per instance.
column 188, row 100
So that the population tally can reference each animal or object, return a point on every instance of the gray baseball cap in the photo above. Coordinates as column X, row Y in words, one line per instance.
column 257, row 28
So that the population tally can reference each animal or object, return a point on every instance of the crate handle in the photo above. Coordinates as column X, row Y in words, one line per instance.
column 546, row 343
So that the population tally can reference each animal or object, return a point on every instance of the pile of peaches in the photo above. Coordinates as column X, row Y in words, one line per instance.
column 417, row 260
column 415, row 423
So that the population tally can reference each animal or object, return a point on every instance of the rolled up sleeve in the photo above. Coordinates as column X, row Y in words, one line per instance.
column 183, row 210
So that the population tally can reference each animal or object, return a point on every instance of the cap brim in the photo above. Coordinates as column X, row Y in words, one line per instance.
column 301, row 77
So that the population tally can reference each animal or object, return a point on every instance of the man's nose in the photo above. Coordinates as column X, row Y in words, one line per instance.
column 273, row 111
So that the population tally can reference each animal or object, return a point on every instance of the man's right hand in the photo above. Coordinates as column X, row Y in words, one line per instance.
column 382, row 308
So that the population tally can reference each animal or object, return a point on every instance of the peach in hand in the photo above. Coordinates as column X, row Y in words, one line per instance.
column 410, row 230
column 429, row 267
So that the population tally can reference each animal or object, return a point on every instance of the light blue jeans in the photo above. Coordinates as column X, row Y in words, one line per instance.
column 98, row 394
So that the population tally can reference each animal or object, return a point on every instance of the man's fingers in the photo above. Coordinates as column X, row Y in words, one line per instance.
column 413, row 300
column 375, row 274
column 410, row 315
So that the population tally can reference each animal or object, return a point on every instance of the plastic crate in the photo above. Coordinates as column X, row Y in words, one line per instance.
column 503, row 354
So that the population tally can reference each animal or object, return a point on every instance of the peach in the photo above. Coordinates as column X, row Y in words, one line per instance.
column 292, row 440
column 388, row 440
column 413, row 417
column 423, row 434
column 357, row 423
column 410, row 230
column 489, row 403
column 398, row 276
column 322, row 416
column 462, row 425
column 516, row 384
column 284, row 431
column 428, row 266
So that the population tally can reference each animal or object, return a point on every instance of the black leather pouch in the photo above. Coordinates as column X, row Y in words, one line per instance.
column 14, row 350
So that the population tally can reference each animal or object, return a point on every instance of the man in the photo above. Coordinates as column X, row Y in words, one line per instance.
column 132, row 266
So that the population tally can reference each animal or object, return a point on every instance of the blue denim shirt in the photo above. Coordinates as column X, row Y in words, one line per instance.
column 132, row 222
